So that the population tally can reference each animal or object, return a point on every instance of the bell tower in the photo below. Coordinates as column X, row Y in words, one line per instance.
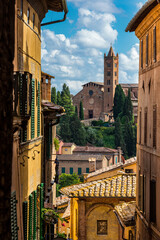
column 111, row 79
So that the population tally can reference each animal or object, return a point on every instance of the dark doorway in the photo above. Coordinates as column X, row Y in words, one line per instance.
column 90, row 113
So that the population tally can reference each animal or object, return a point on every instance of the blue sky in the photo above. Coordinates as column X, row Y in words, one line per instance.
column 73, row 50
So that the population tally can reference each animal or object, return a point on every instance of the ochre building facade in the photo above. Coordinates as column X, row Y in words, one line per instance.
column 146, row 25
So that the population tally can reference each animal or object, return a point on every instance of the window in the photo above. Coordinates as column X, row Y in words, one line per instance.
column 147, row 50
column 153, row 201
column 142, row 192
column 33, row 20
column 90, row 113
column 102, row 227
column 63, row 170
column 115, row 82
column 28, row 15
column 154, row 45
column 140, row 126
column 154, row 126
column 128, row 170
column 115, row 73
column 108, row 82
column 90, row 92
column 21, row 10
column 116, row 160
column 71, row 170
column 33, row 110
column 141, row 53
column 145, row 127
column 130, row 235
column 87, row 170
column 115, row 65
column 108, row 65
column 79, row 171
column 108, row 89
column 108, row 73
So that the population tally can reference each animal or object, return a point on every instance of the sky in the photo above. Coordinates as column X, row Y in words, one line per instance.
column 73, row 51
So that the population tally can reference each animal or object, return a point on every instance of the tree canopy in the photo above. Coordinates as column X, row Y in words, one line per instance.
column 53, row 95
column 81, row 112
column 119, row 100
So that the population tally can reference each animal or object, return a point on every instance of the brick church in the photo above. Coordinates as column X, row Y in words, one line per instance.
column 97, row 97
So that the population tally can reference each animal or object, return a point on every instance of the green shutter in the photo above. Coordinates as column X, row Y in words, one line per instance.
column 79, row 171
column 38, row 112
column 25, row 209
column 41, row 206
column 30, row 217
column 35, row 215
column 63, row 169
column 71, row 170
column 14, row 227
column 20, row 92
column 33, row 110
column 87, row 170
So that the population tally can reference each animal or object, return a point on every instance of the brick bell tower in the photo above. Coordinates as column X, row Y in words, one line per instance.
column 111, row 79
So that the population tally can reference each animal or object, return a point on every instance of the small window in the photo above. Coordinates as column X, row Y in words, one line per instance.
column 71, row 170
column 63, row 170
column 28, row 15
column 145, row 127
column 108, row 73
column 102, row 227
column 116, row 160
column 115, row 73
column 66, row 149
column 115, row 82
column 108, row 82
column 79, row 171
column 90, row 92
column 140, row 126
column 108, row 65
column 33, row 20
column 154, row 126
column 115, row 65
column 21, row 10
column 90, row 113
column 128, row 170
column 87, row 170
column 108, row 89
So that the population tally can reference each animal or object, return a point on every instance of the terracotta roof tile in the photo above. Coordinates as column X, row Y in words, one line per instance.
column 79, row 157
column 121, row 185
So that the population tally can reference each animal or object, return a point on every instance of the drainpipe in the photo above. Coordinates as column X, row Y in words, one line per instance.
column 65, row 9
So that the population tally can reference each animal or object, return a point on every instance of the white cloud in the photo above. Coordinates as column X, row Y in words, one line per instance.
column 100, row 5
column 139, row 4
column 75, row 86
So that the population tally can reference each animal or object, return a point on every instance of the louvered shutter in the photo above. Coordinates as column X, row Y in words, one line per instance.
column 14, row 227
column 38, row 112
column 154, row 45
column 141, row 53
column 30, row 217
column 35, row 215
column 154, row 127
column 25, row 209
column 41, row 206
column 33, row 110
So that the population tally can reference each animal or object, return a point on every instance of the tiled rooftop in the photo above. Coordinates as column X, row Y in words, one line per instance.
column 79, row 157
column 61, row 200
column 121, row 185
column 102, row 170
column 94, row 149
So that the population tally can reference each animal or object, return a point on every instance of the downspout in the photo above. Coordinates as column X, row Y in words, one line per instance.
column 61, row 20
column 120, row 224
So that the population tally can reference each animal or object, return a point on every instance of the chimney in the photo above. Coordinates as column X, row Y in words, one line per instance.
column 119, row 154
column 92, row 164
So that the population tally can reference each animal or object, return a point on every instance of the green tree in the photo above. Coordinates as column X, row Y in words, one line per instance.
column 128, row 108
column 68, row 179
column 65, row 131
column 76, row 110
column 58, row 98
column 78, row 133
column 66, row 101
column 118, row 133
column 53, row 95
column 91, row 135
column 129, row 138
column 119, row 99
column 81, row 112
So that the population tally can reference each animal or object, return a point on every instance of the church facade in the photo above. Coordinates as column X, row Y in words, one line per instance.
column 97, row 97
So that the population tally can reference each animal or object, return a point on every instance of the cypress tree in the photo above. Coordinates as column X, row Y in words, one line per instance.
column 119, row 99
column 118, row 133
column 81, row 112
column 78, row 133
column 53, row 95
column 128, row 108
column 76, row 110
column 129, row 138
column 58, row 98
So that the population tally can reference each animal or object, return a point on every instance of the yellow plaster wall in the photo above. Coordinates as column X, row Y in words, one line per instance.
column 28, row 58
column 68, row 150
column 102, row 213
column 112, row 172
column 74, row 219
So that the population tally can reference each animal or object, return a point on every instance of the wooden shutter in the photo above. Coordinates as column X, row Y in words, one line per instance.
column 145, row 127
column 147, row 50
column 30, row 217
column 140, row 126
column 41, row 206
column 33, row 110
column 141, row 53
column 154, row 126
column 154, row 45
column 35, row 215
column 14, row 227
column 38, row 112
column 153, row 201
column 25, row 209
